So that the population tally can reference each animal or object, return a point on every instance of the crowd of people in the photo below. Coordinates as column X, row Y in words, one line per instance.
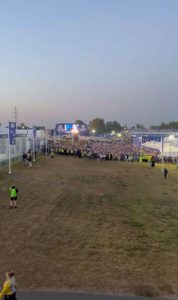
column 29, row 157
column 102, row 150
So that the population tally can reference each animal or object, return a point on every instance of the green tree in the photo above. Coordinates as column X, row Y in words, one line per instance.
column 140, row 126
column 40, row 128
column 163, row 126
column 98, row 125
column 80, row 122
column 173, row 125
column 22, row 126
column 113, row 126
column 108, row 126
column 132, row 128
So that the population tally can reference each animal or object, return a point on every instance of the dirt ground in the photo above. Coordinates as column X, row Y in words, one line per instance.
column 92, row 226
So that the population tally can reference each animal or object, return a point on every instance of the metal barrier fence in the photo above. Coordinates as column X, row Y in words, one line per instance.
column 14, row 160
column 23, row 144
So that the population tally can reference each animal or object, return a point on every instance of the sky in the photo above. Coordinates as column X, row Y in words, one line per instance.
column 62, row 60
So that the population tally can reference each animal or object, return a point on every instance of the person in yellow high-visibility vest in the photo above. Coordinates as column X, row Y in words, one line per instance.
column 13, row 196
column 7, row 292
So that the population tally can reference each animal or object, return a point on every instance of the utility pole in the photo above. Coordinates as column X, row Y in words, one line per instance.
column 15, row 114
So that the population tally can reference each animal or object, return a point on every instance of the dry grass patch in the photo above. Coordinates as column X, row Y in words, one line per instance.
column 80, row 224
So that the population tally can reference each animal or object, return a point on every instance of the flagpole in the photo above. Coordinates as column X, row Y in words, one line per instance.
column 34, row 148
column 141, row 146
column 34, row 137
column 9, row 152
column 162, row 152
column 54, row 136
column 46, row 145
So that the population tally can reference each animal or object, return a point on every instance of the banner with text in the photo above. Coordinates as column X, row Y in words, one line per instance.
column 12, row 133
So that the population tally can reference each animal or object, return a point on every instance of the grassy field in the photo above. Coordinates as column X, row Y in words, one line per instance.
column 93, row 226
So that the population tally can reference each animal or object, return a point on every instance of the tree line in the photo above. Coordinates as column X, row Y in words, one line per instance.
column 99, row 126
column 171, row 125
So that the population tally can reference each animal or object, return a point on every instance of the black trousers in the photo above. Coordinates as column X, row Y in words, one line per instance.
column 10, row 297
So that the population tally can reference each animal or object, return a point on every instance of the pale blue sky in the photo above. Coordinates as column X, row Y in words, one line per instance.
column 62, row 60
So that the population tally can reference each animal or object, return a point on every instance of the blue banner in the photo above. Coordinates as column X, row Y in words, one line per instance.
column 12, row 133
column 137, row 140
column 34, row 132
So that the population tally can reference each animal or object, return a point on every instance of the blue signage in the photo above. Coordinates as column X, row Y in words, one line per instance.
column 12, row 133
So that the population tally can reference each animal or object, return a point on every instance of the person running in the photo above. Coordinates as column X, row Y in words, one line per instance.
column 13, row 196
column 165, row 171
column 7, row 291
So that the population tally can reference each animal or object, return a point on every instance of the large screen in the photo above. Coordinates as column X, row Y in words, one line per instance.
column 68, row 128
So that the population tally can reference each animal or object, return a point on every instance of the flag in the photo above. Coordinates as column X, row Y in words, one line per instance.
column 139, row 143
column 12, row 133
column 137, row 140
column 162, row 145
column 34, row 132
